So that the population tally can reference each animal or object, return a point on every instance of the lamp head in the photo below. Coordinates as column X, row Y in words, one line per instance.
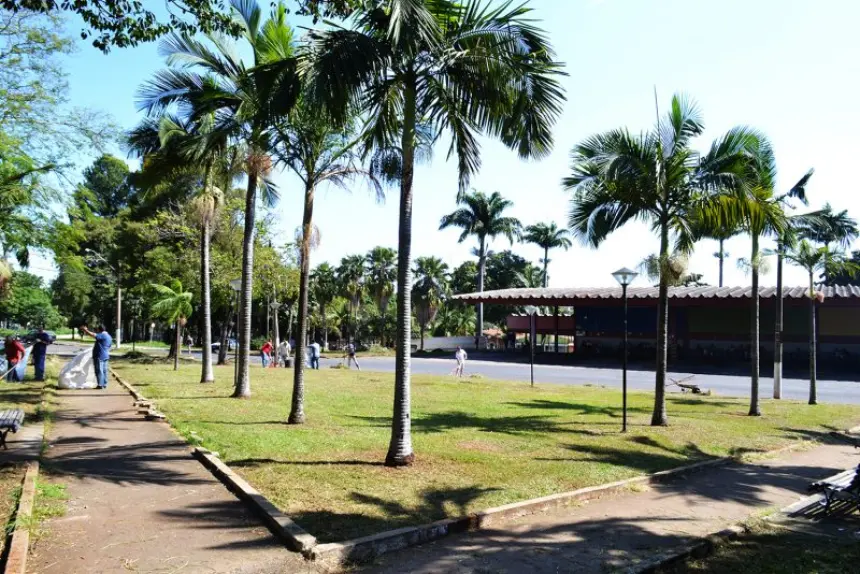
column 625, row 276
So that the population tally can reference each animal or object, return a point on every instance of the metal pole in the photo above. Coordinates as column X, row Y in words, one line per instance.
column 533, row 333
column 777, row 335
column 236, row 346
column 118, row 312
column 624, row 364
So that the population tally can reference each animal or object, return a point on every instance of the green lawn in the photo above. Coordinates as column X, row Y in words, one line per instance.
column 479, row 443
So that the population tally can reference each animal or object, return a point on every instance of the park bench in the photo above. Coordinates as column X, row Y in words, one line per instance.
column 10, row 420
column 843, row 486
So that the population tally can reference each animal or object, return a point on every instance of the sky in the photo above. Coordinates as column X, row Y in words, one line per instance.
column 788, row 68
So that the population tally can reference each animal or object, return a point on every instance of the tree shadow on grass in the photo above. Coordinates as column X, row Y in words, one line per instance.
column 442, row 422
column 252, row 462
column 581, row 408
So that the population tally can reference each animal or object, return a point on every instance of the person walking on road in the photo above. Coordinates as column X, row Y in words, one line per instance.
column 284, row 353
column 350, row 357
column 101, row 353
column 314, row 349
column 40, row 351
column 14, row 353
column 461, row 357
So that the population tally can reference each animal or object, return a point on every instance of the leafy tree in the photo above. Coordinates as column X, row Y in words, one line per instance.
column 105, row 189
column 174, row 305
column 547, row 236
column 460, row 67
column 381, row 277
column 71, row 291
column 429, row 291
column 464, row 277
column 481, row 215
column 843, row 276
column 658, row 177
column 28, row 303
column 210, row 79
column 817, row 260
column 836, row 230
column 325, row 288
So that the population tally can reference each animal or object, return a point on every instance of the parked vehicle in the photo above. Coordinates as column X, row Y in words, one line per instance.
column 231, row 345
column 30, row 337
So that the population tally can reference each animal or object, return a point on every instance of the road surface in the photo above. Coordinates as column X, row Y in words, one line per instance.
column 829, row 391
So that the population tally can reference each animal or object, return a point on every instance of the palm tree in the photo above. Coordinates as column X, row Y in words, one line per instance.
column 762, row 215
column 174, row 305
column 816, row 260
column 547, row 237
column 351, row 276
column 832, row 229
column 482, row 216
column 460, row 67
column 675, row 268
column 656, row 176
column 211, row 79
column 429, row 291
column 324, row 288
column 381, row 275
column 318, row 152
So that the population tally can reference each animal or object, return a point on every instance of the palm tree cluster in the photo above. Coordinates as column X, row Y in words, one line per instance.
column 659, row 177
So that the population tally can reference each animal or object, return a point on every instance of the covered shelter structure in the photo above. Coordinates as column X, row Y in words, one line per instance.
column 706, row 324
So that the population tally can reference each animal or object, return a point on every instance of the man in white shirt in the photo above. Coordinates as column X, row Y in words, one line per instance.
column 284, row 353
column 315, row 351
column 461, row 357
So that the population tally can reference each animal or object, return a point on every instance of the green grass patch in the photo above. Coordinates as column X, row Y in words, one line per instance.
column 479, row 443
column 768, row 549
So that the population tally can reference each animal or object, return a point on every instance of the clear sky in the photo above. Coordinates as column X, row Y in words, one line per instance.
column 789, row 68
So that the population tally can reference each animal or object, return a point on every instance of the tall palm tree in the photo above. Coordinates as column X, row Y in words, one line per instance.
column 324, row 288
column 618, row 177
column 351, row 274
column 429, row 290
column 381, row 277
column 172, row 304
column 547, row 236
column 836, row 230
column 762, row 215
column 211, row 78
column 318, row 152
column 459, row 67
column 816, row 260
column 482, row 216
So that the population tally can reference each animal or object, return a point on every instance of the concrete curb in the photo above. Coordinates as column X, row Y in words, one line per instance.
column 293, row 535
column 19, row 548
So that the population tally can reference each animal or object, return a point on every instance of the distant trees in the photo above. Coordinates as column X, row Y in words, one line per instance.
column 429, row 291
column 173, row 304
column 547, row 236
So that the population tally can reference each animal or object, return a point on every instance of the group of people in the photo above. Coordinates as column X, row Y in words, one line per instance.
column 16, row 352
column 312, row 355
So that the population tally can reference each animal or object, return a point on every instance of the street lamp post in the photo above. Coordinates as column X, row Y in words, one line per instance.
column 236, row 286
column 274, row 306
column 624, row 277
column 99, row 256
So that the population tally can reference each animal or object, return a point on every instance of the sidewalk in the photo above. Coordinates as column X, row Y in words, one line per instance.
column 138, row 502
column 617, row 533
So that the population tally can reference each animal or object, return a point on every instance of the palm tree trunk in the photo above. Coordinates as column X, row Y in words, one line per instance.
column 545, row 267
column 243, row 376
column 658, row 418
column 778, row 328
column 482, row 263
column 813, row 343
column 207, row 376
column 400, row 449
column 755, row 409
column 325, row 325
column 722, row 259
column 178, row 341
column 297, row 411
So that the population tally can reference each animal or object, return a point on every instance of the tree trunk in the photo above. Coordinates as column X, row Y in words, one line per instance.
column 813, row 343
column 755, row 408
column 659, row 418
column 482, row 263
column 778, row 328
column 422, row 327
column 545, row 267
column 207, row 376
column 400, row 449
column 243, row 376
column 722, row 259
column 222, row 348
column 178, row 343
column 325, row 325
column 297, row 410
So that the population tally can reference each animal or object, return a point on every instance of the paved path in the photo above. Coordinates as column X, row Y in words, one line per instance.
column 139, row 502
column 621, row 532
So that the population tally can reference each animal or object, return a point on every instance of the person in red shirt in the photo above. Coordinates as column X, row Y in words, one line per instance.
column 14, row 353
column 266, row 352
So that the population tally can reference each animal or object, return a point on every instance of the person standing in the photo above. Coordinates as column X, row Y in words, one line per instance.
column 350, row 357
column 284, row 353
column 461, row 357
column 40, row 351
column 315, row 350
column 101, row 353
column 266, row 352
column 14, row 353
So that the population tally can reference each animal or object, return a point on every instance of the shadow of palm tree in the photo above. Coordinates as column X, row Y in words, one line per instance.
column 441, row 422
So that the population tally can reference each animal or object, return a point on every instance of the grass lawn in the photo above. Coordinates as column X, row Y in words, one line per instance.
column 768, row 549
column 479, row 443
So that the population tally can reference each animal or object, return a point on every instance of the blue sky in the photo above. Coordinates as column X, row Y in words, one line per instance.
column 789, row 68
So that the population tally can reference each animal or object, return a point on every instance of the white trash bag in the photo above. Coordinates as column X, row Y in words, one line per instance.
column 79, row 373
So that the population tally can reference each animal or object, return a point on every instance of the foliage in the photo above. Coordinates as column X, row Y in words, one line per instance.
column 547, row 236
column 27, row 302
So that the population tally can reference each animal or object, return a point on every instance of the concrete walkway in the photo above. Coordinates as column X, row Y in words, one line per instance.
column 138, row 502
column 618, row 533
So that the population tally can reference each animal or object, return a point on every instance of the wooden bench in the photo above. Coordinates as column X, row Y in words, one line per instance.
column 10, row 420
column 843, row 486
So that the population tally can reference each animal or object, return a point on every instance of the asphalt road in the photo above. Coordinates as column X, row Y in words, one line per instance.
column 829, row 391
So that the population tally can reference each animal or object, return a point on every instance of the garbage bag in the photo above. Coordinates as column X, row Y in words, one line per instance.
column 79, row 373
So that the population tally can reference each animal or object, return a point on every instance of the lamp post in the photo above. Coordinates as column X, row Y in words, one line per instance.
column 134, row 304
column 100, row 257
column 624, row 277
column 274, row 306
column 236, row 286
